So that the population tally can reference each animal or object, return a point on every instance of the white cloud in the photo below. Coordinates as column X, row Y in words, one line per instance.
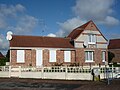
column 67, row 26
column 110, row 21
column 25, row 25
column 3, row 24
column 22, row 23
column 3, row 43
column 51, row 35
column 99, row 11
column 15, row 19
column 20, row 8
column 95, row 9
column 11, row 10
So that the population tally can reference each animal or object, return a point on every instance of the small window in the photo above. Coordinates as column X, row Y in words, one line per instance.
column 92, row 39
column 52, row 56
column 103, row 56
column 89, row 56
column 20, row 56
column 67, row 56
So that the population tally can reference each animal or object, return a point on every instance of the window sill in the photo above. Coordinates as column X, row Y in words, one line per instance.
column 89, row 61
column 20, row 62
column 103, row 61
column 91, row 42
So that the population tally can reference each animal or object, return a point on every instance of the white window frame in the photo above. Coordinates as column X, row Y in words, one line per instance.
column 103, row 56
column 67, row 56
column 20, row 56
column 52, row 55
column 89, row 56
column 91, row 39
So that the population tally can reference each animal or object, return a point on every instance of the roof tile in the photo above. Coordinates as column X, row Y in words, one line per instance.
column 39, row 41
column 114, row 44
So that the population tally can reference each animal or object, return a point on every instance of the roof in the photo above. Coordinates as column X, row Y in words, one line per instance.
column 114, row 44
column 77, row 31
column 1, row 55
column 39, row 41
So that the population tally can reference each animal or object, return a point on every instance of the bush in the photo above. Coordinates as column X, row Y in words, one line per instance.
column 114, row 64
column 3, row 61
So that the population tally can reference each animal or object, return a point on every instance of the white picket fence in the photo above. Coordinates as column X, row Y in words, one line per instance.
column 68, row 73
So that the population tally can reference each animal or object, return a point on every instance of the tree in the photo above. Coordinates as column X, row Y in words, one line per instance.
column 110, row 56
column 8, row 56
column 5, row 59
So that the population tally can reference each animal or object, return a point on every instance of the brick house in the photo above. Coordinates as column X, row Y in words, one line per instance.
column 114, row 49
column 85, row 45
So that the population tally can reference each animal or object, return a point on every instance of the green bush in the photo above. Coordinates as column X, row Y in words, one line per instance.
column 115, row 65
column 3, row 61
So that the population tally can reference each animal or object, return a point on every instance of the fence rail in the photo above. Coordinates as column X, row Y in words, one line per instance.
column 79, row 73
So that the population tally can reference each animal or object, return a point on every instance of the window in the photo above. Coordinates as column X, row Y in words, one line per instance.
column 20, row 56
column 67, row 56
column 103, row 56
column 52, row 56
column 89, row 56
column 92, row 39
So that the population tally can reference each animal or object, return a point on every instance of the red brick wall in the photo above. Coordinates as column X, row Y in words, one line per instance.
column 59, row 58
column 30, row 58
column 13, row 57
column 46, row 57
column 80, row 56
column 77, row 56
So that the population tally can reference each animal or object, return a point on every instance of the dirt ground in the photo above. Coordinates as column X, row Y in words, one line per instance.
column 40, row 84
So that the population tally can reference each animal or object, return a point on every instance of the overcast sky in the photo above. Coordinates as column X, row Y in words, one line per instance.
column 57, row 17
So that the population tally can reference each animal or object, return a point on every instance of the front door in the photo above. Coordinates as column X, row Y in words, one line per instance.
column 39, row 58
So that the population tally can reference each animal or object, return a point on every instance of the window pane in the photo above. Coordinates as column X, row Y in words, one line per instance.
column 52, row 56
column 20, row 56
column 39, row 58
column 86, row 55
column 67, row 56
column 92, row 38
column 103, row 56
column 89, row 56
column 89, row 38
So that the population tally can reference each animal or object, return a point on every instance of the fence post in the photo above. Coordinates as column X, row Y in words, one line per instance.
column 112, row 71
column 42, row 72
column 19, row 71
column 66, row 72
column 9, row 71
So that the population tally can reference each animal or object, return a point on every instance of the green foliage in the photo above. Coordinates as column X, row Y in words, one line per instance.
column 115, row 65
column 8, row 56
column 3, row 61
column 110, row 56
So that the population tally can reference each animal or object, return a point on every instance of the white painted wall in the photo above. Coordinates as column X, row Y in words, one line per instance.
column 84, row 38
column 101, row 45
column 100, row 39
